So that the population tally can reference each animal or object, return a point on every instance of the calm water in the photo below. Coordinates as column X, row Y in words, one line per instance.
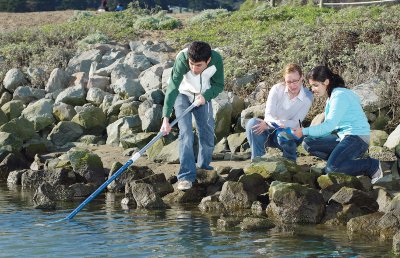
column 104, row 229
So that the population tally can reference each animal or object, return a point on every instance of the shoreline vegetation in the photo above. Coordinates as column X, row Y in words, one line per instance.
column 360, row 43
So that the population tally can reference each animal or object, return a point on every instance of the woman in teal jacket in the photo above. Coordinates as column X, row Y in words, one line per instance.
column 343, row 137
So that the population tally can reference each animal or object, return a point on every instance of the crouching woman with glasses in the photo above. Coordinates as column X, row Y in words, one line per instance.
column 343, row 150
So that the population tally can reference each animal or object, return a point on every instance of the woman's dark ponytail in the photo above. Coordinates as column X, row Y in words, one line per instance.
column 322, row 73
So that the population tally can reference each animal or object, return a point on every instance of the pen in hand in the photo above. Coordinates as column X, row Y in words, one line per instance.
column 300, row 123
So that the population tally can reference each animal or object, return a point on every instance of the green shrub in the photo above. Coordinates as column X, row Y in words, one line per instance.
column 207, row 15
column 81, row 15
column 93, row 39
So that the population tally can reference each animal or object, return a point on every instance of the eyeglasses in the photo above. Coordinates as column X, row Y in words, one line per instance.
column 292, row 82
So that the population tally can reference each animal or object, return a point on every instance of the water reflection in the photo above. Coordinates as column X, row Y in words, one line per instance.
column 104, row 229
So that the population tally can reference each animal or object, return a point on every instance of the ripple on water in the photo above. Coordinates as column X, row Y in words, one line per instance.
column 103, row 229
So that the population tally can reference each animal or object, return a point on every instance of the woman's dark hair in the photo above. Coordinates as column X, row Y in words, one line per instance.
column 199, row 51
column 321, row 73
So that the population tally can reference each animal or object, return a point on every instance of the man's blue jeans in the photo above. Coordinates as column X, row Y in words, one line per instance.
column 203, row 116
column 343, row 156
column 269, row 138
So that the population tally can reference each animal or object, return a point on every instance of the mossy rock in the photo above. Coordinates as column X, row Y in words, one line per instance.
column 338, row 179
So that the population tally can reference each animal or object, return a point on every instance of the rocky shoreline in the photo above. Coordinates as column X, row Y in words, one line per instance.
column 112, row 95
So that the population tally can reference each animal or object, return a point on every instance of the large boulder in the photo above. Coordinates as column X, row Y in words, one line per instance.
column 59, row 80
column 123, row 127
column 28, row 94
column 394, row 138
column 295, row 203
column 20, row 128
column 83, row 61
column 13, row 109
column 74, row 96
column 65, row 132
column 151, row 116
column 127, row 87
column 222, row 110
column 40, row 113
column 92, row 119
column 146, row 197
column 87, row 165
column 13, row 79
column 233, row 196
column 150, row 79
column 63, row 112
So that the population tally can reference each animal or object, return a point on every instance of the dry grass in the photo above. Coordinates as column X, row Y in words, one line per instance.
column 11, row 21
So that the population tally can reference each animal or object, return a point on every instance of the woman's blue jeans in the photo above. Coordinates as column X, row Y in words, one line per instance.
column 269, row 138
column 203, row 116
column 343, row 156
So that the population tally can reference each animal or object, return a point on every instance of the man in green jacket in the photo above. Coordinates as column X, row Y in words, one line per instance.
column 197, row 75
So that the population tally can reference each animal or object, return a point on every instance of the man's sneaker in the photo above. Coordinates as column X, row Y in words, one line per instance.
column 207, row 167
column 377, row 175
column 184, row 185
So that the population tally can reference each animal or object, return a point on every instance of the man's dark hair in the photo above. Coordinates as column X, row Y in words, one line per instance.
column 199, row 51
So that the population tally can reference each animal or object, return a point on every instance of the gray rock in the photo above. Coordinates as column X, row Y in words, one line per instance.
column 28, row 94
column 235, row 141
column 20, row 128
column 88, row 165
column 161, row 186
column 234, row 197
column 63, row 112
column 13, row 109
column 64, row 132
column 129, row 109
column 96, row 96
column 396, row 243
column 82, row 190
column 150, row 114
column 124, row 71
column 92, row 119
column 146, row 197
column 211, row 204
column 366, row 225
column 137, row 61
column 369, row 94
column 123, row 127
column 347, row 195
column 256, row 224
column 5, row 97
column 40, row 113
column 13, row 79
column 14, row 178
column 222, row 111
column 37, row 77
column 156, row 96
column 150, row 79
column 138, row 140
column 100, row 82
column 393, row 140
column 82, row 62
column 32, row 179
column 58, row 80
column 74, row 96
column 250, row 112
column 126, row 88
column 294, row 203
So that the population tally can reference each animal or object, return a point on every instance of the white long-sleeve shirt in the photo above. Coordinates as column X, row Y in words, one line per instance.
column 283, row 110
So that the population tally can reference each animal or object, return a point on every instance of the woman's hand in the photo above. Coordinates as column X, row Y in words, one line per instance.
column 298, row 132
column 260, row 127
